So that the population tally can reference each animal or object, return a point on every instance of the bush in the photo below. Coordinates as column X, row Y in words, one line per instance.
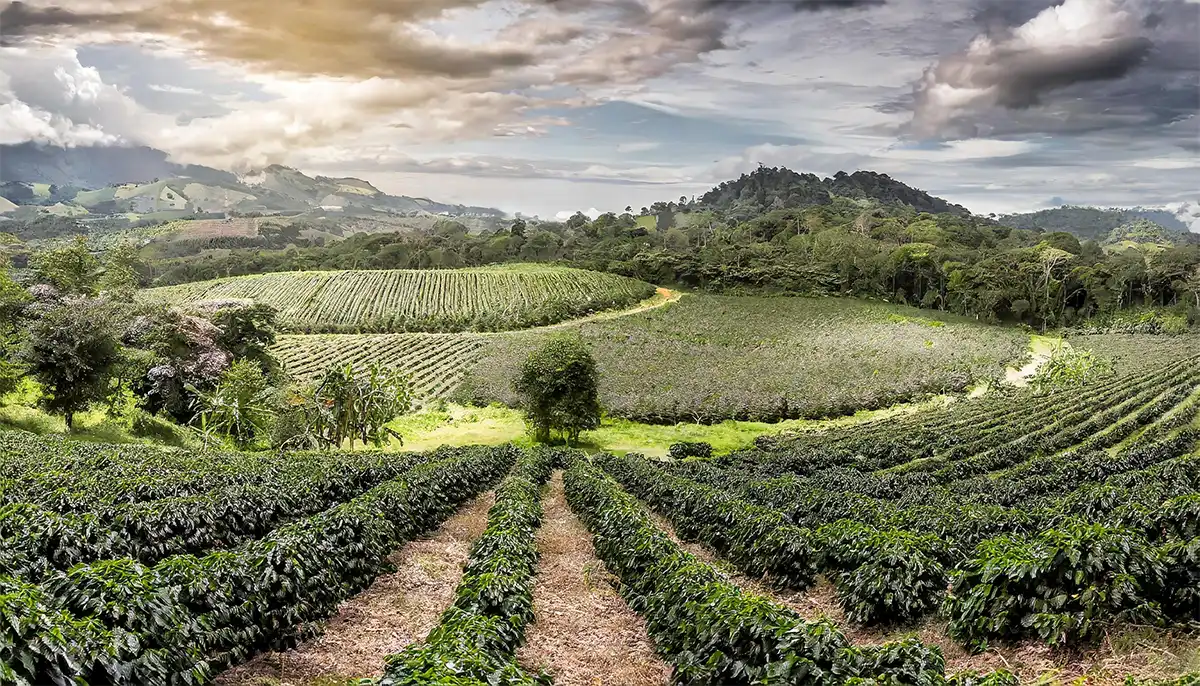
column 1062, row 585
column 887, row 576
column 685, row 449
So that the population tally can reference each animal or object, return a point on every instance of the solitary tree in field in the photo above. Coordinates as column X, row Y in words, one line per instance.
column 72, row 350
column 558, row 389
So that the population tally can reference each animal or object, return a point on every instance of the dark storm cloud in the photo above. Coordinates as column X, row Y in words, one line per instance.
column 1079, row 41
column 798, row 5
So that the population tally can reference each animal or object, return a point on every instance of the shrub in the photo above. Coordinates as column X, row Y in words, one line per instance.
column 1062, row 585
column 685, row 449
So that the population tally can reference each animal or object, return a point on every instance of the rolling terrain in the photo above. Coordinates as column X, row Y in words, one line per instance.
column 397, row 301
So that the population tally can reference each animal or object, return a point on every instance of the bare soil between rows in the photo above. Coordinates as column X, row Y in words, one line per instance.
column 399, row 609
column 583, row 632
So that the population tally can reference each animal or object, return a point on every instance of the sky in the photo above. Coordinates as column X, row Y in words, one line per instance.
column 546, row 106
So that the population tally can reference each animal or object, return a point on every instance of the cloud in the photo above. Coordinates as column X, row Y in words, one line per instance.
column 638, row 146
column 173, row 90
column 352, row 38
column 590, row 213
column 1077, row 41
column 47, row 96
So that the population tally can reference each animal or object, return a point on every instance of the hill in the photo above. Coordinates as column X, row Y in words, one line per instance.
column 398, row 300
column 1094, row 223
column 768, row 188
column 143, row 181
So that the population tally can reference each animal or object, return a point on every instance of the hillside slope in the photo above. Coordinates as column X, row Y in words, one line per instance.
column 398, row 300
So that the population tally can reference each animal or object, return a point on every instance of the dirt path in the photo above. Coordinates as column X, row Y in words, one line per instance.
column 1143, row 652
column 584, row 633
column 397, row 610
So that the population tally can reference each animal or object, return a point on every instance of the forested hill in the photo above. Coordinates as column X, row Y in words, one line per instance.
column 772, row 188
column 1092, row 222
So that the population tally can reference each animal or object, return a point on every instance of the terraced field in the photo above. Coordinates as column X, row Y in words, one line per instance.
column 435, row 363
column 399, row 301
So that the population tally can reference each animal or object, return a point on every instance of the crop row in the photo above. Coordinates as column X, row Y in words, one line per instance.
column 36, row 540
column 395, row 301
column 118, row 621
column 476, row 639
column 706, row 626
column 1047, row 572
column 435, row 363
column 71, row 476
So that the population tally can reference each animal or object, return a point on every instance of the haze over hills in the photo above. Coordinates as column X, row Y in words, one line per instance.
column 82, row 181
column 109, row 180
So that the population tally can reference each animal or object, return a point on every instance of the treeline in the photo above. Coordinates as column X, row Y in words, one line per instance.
column 966, row 265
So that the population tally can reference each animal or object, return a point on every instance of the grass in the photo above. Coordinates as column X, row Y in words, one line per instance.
column 19, row 412
column 496, row 424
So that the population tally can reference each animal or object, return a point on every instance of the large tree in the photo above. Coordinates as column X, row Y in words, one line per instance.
column 558, row 386
column 73, row 351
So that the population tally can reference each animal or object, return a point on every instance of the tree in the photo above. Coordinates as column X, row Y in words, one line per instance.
column 73, row 351
column 558, row 389
column 239, row 407
column 72, row 269
column 247, row 329
column 13, row 300
column 518, row 227
column 349, row 405
column 119, row 279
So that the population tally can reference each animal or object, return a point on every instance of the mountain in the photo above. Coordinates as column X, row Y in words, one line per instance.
column 1142, row 231
column 1094, row 223
column 95, row 167
column 101, row 180
column 769, row 188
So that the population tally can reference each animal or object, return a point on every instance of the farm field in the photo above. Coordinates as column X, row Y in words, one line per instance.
column 399, row 301
column 710, row 358
column 434, row 363
column 998, row 540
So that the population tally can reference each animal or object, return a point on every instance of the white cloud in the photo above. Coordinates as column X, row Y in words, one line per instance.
column 638, row 146
column 175, row 90
column 591, row 213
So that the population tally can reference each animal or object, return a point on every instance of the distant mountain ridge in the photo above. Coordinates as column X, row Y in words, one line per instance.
column 1094, row 223
column 109, row 180
column 769, row 188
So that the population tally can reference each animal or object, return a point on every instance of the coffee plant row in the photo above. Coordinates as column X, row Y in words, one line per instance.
column 188, row 616
column 398, row 301
column 709, row 358
column 713, row 632
column 1057, row 532
column 477, row 638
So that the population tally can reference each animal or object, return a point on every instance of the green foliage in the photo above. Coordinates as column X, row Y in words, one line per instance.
column 239, row 408
column 685, row 449
column 247, row 330
column 72, row 350
column 71, row 269
column 712, row 632
column 1069, row 367
column 705, row 359
column 1062, row 585
column 397, row 301
column 558, row 388
column 119, row 278
column 190, row 616
column 344, row 405
column 477, row 638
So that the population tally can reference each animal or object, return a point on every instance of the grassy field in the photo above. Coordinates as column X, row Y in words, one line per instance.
column 707, row 359
column 396, row 301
